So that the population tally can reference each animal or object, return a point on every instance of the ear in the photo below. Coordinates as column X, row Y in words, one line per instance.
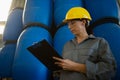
column 84, row 22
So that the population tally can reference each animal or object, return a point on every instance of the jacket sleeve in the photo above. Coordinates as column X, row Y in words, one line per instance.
column 101, row 66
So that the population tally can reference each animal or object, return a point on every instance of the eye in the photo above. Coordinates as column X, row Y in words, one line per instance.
column 72, row 22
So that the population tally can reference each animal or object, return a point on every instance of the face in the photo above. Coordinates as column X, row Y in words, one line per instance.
column 76, row 26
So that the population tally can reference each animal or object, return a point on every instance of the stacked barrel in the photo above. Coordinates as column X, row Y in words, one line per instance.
column 62, row 34
column 105, row 24
column 11, row 33
column 37, row 20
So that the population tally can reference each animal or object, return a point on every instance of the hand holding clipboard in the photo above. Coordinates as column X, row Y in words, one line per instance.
column 44, row 52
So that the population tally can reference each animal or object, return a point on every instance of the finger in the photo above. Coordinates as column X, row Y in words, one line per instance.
column 58, row 59
column 59, row 64
column 64, row 68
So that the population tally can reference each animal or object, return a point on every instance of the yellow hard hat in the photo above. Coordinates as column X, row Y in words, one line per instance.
column 77, row 13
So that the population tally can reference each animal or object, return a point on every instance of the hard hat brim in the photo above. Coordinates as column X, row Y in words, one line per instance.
column 65, row 21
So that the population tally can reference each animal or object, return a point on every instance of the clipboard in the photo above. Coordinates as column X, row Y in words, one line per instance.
column 44, row 52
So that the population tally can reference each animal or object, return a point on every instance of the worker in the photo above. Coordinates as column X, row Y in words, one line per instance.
column 85, row 57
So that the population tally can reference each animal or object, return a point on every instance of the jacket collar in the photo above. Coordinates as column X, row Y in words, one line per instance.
column 91, row 36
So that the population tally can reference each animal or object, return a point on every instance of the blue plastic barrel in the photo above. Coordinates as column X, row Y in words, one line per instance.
column 39, row 11
column 12, row 31
column 62, row 6
column 6, row 60
column 13, row 25
column 62, row 35
column 26, row 66
column 102, row 8
column 111, row 32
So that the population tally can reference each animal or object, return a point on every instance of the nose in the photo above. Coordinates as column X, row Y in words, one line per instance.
column 69, row 26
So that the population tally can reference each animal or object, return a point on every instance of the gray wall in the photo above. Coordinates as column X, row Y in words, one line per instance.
column 119, row 2
column 1, row 41
column 17, row 3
